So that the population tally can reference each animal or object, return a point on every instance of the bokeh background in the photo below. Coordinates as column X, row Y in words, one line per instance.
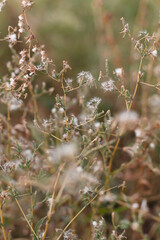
column 84, row 33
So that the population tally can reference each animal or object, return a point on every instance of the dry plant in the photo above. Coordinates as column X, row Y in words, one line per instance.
column 79, row 172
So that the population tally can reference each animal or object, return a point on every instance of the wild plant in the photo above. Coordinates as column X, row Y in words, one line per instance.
column 78, row 172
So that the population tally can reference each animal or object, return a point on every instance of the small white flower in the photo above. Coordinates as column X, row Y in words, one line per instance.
column 126, row 116
column 97, row 125
column 20, row 17
column 50, row 200
column 64, row 136
column 15, row 103
column 94, row 223
column 21, row 30
column 85, row 78
column 27, row 153
column 142, row 33
column 12, row 81
column 2, row 4
column 27, row 3
column 108, row 86
column 154, row 53
column 74, row 120
column 135, row 226
column 20, row 24
column 26, row 76
column 43, row 53
column 69, row 81
column 86, row 190
column 144, row 206
column 53, row 110
column 152, row 145
column 79, row 169
column 119, row 72
column 12, row 38
column 34, row 49
column 135, row 206
column 90, row 131
column 138, row 132
column 101, row 222
column 21, row 61
column 63, row 152
column 108, row 197
column 93, row 103
column 61, row 110
column 9, row 166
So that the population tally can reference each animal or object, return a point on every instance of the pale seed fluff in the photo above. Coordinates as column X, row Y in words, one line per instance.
column 61, row 110
column 12, row 38
column 94, row 223
column 2, row 4
column 119, row 72
column 108, row 86
column 85, row 190
column 85, row 78
column 108, row 197
column 144, row 206
column 138, row 132
column 93, row 103
column 135, row 226
column 63, row 152
column 126, row 116
column 53, row 110
column 12, row 81
column 27, row 3
column 15, row 104
column 135, row 206
column 154, row 53
column 152, row 145
column 27, row 153
column 97, row 125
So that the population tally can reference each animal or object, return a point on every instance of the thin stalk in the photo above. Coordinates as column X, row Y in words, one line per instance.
column 31, row 199
column 123, row 127
column 67, row 226
column 31, row 228
column 51, row 208
column 2, row 222
column 35, row 104
column 65, row 114
column 9, row 129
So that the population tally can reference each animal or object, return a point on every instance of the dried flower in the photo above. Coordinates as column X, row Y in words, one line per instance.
column 2, row 4
column 108, row 86
column 85, row 78
column 93, row 103
column 27, row 3
column 119, row 72
column 70, row 235
column 15, row 103
column 154, row 53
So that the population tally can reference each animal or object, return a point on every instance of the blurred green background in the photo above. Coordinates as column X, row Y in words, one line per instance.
column 84, row 32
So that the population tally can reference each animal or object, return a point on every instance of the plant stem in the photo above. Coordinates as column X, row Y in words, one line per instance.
column 2, row 222
column 31, row 228
column 124, row 125
column 65, row 114
column 51, row 207
column 85, row 208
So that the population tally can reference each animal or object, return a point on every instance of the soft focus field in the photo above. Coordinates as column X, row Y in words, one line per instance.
column 79, row 119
